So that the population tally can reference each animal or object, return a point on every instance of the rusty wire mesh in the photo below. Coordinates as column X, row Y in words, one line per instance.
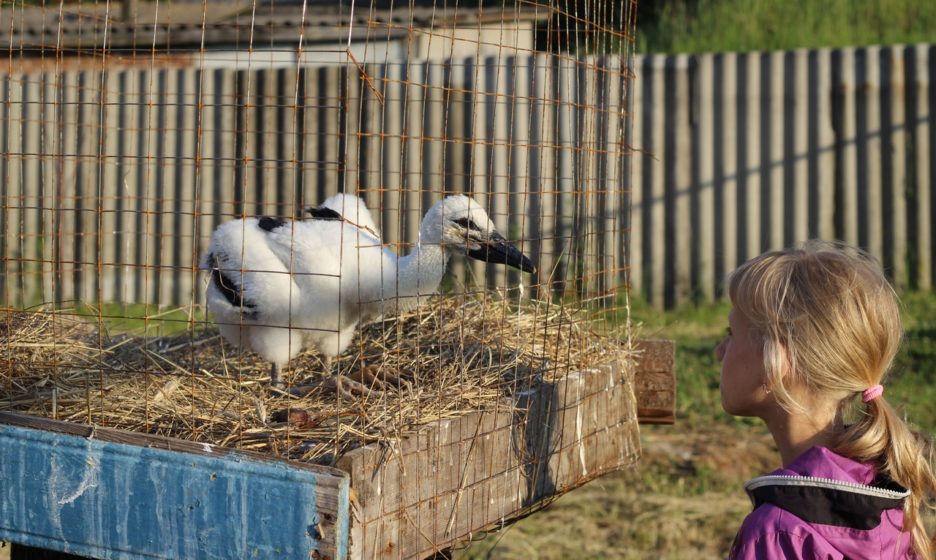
column 131, row 131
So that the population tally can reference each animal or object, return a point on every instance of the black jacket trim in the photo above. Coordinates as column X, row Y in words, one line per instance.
column 828, row 502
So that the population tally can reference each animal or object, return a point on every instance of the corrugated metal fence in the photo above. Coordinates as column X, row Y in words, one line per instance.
column 748, row 152
column 113, row 181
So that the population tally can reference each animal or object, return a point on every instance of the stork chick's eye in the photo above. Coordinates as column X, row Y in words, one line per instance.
column 469, row 225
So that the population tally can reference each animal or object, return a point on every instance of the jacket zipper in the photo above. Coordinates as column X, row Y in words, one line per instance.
column 790, row 480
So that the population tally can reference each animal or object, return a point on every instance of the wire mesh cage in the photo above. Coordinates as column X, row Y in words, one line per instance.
column 228, row 223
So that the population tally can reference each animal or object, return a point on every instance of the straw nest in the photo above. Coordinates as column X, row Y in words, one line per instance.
column 453, row 355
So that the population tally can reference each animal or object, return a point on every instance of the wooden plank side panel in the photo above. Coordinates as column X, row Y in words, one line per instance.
column 728, row 209
column 13, row 193
column 166, row 198
column 521, row 183
column 8, row 292
column 129, row 216
column 67, row 226
column 846, row 139
column 894, row 132
column 868, row 99
column 392, row 156
column 109, row 187
column 461, row 475
column 773, row 121
column 91, row 495
column 185, row 286
column 550, row 248
column 822, row 148
column 49, row 159
column 655, row 228
column 920, row 135
column 31, row 163
column 634, row 200
column 798, row 114
column 749, row 151
column 677, row 190
column 705, row 222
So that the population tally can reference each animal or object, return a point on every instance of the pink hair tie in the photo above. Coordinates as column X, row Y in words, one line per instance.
column 872, row 393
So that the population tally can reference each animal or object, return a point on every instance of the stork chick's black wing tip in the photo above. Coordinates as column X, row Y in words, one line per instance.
column 323, row 213
column 227, row 287
column 268, row 223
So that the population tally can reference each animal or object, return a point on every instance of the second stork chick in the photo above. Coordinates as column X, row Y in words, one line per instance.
column 277, row 286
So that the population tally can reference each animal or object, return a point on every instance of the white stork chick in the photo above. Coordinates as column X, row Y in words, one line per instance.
column 351, row 208
column 277, row 286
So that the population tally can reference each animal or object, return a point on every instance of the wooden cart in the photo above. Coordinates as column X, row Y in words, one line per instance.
column 107, row 493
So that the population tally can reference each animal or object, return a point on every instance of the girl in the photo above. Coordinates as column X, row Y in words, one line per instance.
column 811, row 334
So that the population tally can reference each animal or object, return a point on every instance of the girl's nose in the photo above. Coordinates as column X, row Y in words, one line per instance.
column 720, row 350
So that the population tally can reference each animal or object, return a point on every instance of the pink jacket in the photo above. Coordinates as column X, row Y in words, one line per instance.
column 823, row 506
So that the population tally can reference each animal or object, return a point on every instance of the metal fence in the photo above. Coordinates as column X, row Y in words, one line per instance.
column 114, row 180
column 748, row 152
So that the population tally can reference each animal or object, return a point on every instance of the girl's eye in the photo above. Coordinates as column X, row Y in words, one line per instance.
column 728, row 331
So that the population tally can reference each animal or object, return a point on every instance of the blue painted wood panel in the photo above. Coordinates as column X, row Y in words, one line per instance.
column 105, row 499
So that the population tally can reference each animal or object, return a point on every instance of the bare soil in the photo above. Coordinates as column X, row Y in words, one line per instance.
column 683, row 500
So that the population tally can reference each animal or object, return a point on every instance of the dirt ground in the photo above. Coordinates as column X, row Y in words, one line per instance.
column 683, row 500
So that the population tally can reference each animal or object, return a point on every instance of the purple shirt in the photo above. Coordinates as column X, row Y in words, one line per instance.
column 815, row 483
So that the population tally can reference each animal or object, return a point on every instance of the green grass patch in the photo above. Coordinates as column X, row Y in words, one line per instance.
column 689, row 26
column 697, row 329
column 140, row 319
column 911, row 386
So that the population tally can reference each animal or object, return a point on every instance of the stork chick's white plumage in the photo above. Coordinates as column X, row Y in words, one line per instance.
column 277, row 286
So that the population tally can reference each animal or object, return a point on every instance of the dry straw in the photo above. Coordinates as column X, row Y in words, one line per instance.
column 453, row 355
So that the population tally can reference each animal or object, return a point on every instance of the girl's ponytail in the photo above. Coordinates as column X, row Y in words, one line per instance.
column 904, row 456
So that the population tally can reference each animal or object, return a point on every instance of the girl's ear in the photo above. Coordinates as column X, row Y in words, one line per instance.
column 779, row 364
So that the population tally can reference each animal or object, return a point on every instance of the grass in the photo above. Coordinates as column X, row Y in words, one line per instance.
column 139, row 318
column 684, row 499
column 687, row 26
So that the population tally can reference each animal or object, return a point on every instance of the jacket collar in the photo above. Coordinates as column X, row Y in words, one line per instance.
column 825, row 488
column 828, row 502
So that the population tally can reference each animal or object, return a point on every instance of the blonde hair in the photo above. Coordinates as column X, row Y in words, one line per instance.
column 830, row 321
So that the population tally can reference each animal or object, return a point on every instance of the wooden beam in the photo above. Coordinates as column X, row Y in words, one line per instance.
column 655, row 381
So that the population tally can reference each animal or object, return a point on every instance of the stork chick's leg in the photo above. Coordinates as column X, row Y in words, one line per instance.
column 335, row 382
column 275, row 380
column 378, row 377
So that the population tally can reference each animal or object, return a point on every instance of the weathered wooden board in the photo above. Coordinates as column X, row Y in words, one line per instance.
column 110, row 494
column 464, row 474
column 655, row 381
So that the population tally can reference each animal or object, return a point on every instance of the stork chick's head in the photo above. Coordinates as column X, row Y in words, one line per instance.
column 460, row 224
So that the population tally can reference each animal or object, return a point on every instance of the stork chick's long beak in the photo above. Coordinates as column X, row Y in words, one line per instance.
column 499, row 250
